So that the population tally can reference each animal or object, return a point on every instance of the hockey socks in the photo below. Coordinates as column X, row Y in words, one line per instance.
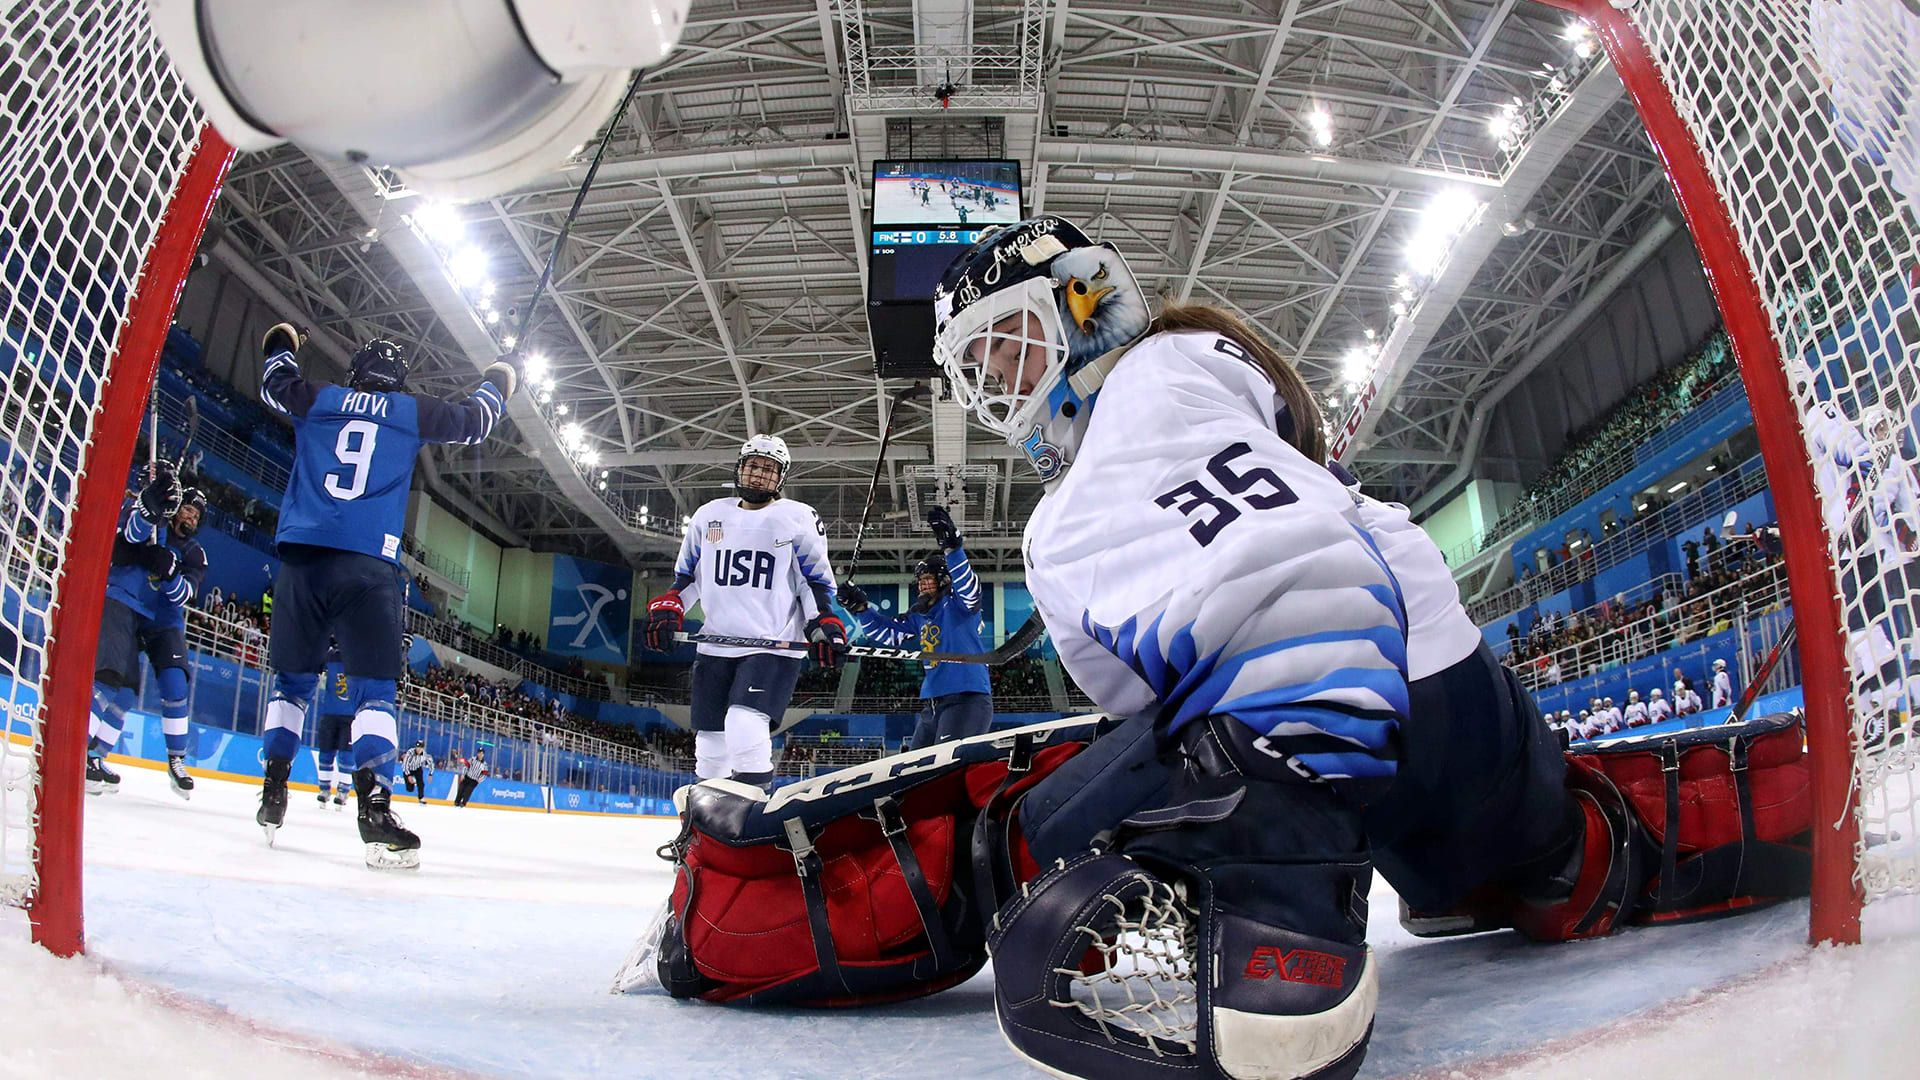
column 173, row 708
column 375, row 731
column 110, row 705
column 287, row 712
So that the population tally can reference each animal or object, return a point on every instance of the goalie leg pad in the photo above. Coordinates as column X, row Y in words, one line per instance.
column 845, row 889
column 1226, row 938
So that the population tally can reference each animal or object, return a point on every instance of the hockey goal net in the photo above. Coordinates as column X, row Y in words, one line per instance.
column 106, row 179
column 1791, row 132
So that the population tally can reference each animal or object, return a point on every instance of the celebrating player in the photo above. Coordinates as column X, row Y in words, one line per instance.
column 339, row 542
column 157, row 570
column 757, row 562
column 333, row 733
column 946, row 617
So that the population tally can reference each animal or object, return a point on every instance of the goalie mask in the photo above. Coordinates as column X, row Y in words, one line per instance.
column 379, row 366
column 1027, row 323
column 750, row 480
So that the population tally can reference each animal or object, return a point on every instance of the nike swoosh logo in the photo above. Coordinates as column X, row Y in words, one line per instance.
column 753, row 690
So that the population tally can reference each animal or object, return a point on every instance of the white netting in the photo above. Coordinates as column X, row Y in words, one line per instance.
column 1807, row 116
column 1136, row 976
column 95, row 130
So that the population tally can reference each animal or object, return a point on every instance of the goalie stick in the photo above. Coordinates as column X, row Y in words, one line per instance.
column 1022, row 638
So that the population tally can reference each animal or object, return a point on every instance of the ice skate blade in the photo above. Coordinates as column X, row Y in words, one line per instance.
column 382, row 857
column 269, row 830
column 186, row 794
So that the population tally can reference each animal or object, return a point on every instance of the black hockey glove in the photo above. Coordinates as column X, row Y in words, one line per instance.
column 851, row 597
column 282, row 338
column 160, row 498
column 159, row 561
column 944, row 532
column 827, row 638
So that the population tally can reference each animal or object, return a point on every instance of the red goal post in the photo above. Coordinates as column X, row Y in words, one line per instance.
column 106, row 182
column 1798, row 189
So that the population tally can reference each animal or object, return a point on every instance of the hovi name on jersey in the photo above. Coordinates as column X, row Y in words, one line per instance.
column 744, row 567
column 358, row 401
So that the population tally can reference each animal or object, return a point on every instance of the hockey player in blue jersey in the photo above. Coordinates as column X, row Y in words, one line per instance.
column 157, row 570
column 339, row 544
column 946, row 617
column 333, row 733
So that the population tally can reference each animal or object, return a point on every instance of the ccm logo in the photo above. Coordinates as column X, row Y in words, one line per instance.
column 1297, row 965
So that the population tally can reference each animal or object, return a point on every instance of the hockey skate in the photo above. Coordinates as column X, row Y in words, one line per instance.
column 177, row 779
column 273, row 797
column 323, row 797
column 340, row 800
column 100, row 779
column 390, row 845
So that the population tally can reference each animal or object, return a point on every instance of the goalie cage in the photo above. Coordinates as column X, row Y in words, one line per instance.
column 1791, row 133
column 107, row 175
column 1798, row 189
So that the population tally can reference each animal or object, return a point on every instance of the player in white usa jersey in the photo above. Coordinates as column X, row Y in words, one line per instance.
column 757, row 563
column 1201, row 568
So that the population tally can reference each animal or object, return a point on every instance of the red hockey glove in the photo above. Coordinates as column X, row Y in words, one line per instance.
column 665, row 615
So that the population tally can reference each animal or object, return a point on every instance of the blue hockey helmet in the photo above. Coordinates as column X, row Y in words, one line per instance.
column 379, row 366
column 197, row 499
column 1027, row 322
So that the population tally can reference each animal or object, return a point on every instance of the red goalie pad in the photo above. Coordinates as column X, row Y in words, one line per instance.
column 851, row 888
column 1728, row 810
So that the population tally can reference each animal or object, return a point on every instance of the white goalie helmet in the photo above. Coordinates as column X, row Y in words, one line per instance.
column 1027, row 322
column 774, row 449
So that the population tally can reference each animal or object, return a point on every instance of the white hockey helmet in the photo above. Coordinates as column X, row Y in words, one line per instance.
column 1656, row 693
column 1633, row 696
column 774, row 449
column 1026, row 323
column 1607, row 702
column 1719, row 665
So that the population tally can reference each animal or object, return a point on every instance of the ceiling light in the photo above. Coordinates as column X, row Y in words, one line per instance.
column 1676, row 487
column 1369, row 333
column 561, row 408
column 441, row 223
column 573, row 436
column 468, row 265
column 1583, row 49
column 535, row 367
column 546, row 398
column 1713, row 468
column 508, row 341
column 603, row 485
column 1443, row 219
column 591, row 457
column 1577, row 30
column 492, row 317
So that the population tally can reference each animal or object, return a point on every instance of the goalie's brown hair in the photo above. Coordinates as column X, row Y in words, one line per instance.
column 1309, row 435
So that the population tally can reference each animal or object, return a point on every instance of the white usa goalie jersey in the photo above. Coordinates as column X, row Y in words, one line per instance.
column 1193, row 558
column 756, row 573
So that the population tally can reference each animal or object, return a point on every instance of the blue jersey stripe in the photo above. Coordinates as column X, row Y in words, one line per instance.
column 1371, row 733
column 1389, row 686
column 1348, row 766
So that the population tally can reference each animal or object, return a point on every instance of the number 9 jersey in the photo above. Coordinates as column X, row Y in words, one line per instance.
column 1193, row 558
column 354, row 454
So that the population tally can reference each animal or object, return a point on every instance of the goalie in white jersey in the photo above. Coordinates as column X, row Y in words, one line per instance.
column 757, row 563
column 1201, row 569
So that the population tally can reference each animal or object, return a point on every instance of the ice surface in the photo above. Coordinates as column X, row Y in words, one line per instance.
column 221, row 954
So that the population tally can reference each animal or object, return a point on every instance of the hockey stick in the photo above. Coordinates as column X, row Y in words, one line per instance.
column 873, row 485
column 566, row 227
column 1760, row 677
column 1021, row 640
